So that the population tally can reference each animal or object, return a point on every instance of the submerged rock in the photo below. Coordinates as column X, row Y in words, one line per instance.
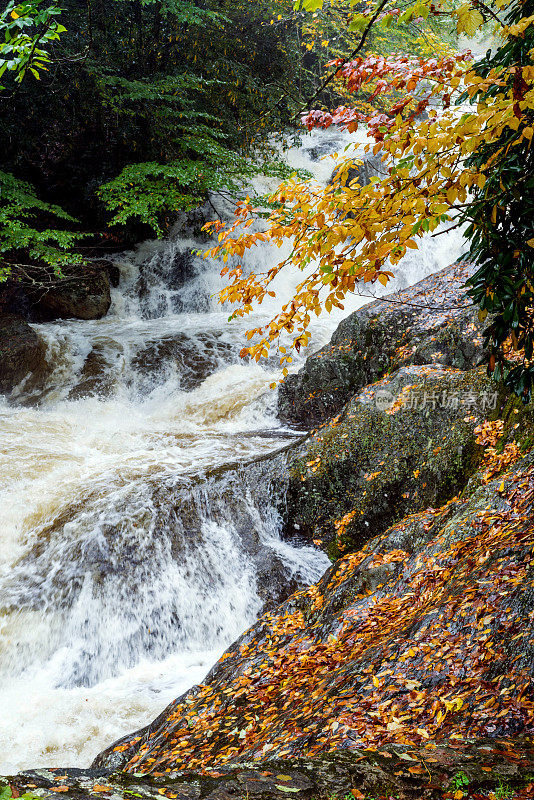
column 22, row 353
column 187, row 359
column 168, row 564
column 429, row 323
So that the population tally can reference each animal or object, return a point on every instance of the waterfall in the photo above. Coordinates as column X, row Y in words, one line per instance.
column 139, row 516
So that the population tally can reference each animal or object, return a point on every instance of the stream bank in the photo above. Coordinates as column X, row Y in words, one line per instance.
column 141, row 517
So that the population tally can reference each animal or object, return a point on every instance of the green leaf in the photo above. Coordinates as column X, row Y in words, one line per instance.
column 359, row 22
column 309, row 5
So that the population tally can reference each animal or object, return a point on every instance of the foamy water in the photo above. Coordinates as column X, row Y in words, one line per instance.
column 132, row 555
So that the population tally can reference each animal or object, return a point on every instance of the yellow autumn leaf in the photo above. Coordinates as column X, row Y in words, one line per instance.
column 469, row 20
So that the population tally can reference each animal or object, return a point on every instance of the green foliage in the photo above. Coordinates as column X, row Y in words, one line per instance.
column 503, row 791
column 155, row 193
column 26, row 29
column 144, row 106
column 23, row 229
column 187, row 13
column 501, row 226
column 309, row 5
column 149, row 190
column 150, row 104
column 7, row 794
column 459, row 782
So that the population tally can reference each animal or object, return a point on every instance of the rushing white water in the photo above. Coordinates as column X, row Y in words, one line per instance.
column 134, row 546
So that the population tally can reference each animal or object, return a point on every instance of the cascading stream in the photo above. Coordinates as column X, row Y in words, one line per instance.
column 135, row 548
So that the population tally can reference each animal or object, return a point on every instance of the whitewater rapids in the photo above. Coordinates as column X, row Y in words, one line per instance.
column 132, row 553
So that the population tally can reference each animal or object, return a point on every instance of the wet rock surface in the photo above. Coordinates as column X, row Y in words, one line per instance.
column 399, row 771
column 432, row 322
column 84, row 295
column 22, row 353
column 194, row 357
column 400, row 445
column 196, row 523
column 423, row 637
column 84, row 292
column 412, row 660
column 187, row 359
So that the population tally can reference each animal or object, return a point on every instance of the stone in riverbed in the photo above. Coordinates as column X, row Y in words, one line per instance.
column 84, row 295
column 403, row 443
column 22, row 352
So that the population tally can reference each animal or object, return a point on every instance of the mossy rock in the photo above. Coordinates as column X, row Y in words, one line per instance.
column 438, row 608
column 82, row 292
column 380, row 463
column 394, row 771
column 429, row 323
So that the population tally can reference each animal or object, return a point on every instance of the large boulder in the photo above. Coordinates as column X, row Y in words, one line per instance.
column 424, row 637
column 400, row 445
column 85, row 294
column 22, row 352
column 429, row 323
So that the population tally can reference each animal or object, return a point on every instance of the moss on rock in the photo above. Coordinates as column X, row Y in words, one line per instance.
column 403, row 444
column 393, row 772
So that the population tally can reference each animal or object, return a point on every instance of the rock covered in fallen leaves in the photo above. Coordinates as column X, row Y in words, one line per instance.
column 431, row 322
column 400, row 445
column 423, row 638
column 394, row 771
